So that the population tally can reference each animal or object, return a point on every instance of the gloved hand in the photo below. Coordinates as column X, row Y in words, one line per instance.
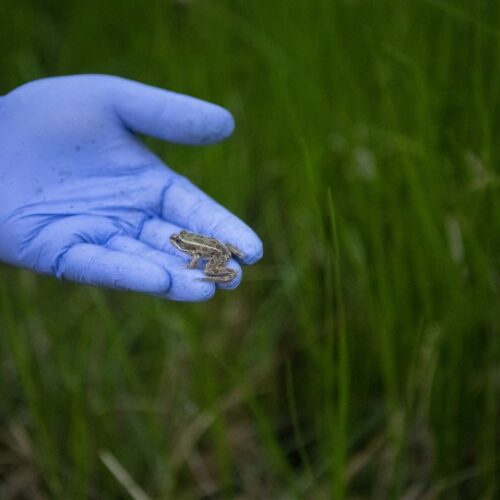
column 83, row 199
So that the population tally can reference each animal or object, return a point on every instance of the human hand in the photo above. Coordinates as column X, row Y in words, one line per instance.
column 83, row 199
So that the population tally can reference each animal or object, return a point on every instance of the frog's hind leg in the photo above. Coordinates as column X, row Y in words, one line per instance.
column 235, row 251
column 217, row 272
column 223, row 277
column 194, row 261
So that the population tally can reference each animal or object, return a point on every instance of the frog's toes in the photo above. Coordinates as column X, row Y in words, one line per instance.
column 235, row 251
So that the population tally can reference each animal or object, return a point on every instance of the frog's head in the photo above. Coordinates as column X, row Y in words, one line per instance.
column 176, row 240
column 181, row 239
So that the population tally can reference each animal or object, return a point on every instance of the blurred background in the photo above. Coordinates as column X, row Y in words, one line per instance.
column 361, row 357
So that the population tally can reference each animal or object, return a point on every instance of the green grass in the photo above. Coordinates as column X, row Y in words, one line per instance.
column 361, row 357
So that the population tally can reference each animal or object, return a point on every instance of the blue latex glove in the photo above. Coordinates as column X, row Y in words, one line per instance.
column 83, row 199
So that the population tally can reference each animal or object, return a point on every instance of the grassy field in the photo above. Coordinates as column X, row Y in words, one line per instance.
column 361, row 357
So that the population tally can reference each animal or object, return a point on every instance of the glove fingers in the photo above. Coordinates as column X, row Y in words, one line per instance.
column 187, row 206
column 156, row 233
column 170, row 116
column 185, row 284
column 96, row 265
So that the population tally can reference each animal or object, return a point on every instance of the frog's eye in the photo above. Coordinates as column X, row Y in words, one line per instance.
column 183, row 233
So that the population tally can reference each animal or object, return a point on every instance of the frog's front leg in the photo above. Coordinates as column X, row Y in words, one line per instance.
column 194, row 261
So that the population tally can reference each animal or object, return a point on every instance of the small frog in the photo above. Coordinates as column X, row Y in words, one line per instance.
column 204, row 247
